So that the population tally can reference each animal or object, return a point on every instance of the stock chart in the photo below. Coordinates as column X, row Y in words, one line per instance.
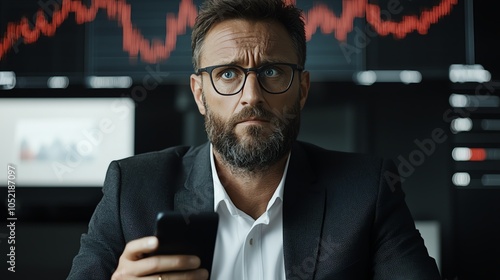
column 118, row 37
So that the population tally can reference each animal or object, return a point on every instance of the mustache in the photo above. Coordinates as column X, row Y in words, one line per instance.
column 246, row 113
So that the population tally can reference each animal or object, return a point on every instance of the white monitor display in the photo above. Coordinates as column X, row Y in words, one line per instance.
column 64, row 141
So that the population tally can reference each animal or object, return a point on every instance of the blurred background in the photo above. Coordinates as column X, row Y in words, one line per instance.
column 86, row 82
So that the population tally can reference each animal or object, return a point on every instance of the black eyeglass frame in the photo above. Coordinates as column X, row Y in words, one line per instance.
column 257, row 70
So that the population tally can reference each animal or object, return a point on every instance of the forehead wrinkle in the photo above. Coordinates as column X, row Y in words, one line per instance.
column 242, row 37
column 245, row 47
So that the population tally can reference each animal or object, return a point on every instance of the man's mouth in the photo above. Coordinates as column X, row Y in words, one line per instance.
column 253, row 120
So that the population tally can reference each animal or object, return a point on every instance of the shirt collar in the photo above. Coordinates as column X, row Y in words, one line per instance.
column 220, row 194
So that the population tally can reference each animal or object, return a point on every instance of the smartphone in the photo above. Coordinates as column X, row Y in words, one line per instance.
column 195, row 234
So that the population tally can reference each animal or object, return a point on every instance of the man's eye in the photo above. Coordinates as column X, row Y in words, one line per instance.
column 228, row 74
column 271, row 72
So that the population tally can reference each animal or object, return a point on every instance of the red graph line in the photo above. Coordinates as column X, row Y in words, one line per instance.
column 134, row 43
column 320, row 16
column 409, row 23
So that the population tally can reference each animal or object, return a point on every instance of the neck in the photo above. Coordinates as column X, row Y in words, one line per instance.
column 250, row 191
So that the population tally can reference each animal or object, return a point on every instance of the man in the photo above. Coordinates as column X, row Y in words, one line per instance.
column 288, row 210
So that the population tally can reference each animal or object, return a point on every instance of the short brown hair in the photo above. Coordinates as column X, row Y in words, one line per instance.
column 214, row 11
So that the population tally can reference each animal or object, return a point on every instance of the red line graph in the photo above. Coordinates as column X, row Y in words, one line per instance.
column 319, row 17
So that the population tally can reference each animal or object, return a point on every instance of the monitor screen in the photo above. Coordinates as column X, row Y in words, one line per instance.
column 63, row 142
column 131, row 42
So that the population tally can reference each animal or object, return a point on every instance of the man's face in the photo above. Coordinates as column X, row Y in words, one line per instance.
column 252, row 129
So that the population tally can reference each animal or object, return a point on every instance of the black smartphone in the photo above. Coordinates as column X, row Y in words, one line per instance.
column 179, row 234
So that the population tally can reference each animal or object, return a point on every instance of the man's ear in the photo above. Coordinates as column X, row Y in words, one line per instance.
column 197, row 90
column 304, row 87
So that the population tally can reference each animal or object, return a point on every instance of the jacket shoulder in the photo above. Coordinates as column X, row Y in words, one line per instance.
column 155, row 169
column 324, row 156
column 166, row 154
column 357, row 170
column 168, row 158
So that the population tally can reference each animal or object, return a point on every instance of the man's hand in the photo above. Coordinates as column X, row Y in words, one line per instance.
column 133, row 264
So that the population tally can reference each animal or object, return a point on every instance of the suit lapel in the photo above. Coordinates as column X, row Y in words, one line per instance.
column 197, row 194
column 303, row 211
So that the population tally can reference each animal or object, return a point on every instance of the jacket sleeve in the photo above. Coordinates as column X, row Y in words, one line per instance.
column 102, row 245
column 398, row 249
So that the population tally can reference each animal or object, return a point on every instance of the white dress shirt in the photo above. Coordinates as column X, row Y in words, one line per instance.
column 245, row 248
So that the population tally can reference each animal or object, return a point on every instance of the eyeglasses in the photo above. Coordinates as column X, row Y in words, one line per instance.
column 229, row 79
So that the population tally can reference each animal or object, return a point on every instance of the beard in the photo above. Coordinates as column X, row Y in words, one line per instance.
column 258, row 147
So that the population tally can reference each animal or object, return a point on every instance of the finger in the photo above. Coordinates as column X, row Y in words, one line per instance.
column 198, row 274
column 156, row 264
column 135, row 249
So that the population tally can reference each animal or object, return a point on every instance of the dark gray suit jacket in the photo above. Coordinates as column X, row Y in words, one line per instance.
column 342, row 218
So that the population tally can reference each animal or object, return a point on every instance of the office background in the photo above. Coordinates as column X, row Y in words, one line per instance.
column 86, row 82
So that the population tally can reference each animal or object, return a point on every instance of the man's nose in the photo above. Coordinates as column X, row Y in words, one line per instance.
column 252, row 93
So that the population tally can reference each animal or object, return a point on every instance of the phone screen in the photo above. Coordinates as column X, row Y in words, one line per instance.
column 179, row 234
